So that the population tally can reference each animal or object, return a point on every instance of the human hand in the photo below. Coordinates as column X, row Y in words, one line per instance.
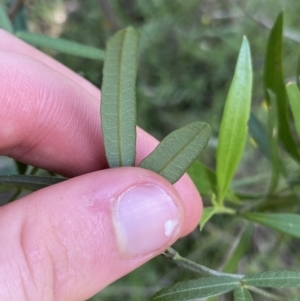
column 70, row 240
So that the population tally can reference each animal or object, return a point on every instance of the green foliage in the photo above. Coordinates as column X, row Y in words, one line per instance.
column 240, row 249
column 298, row 74
column 259, row 134
column 118, row 107
column 294, row 98
column 177, row 151
column 185, row 65
column 233, row 131
column 284, row 222
column 273, row 80
column 5, row 23
column 207, row 214
column 29, row 182
column 273, row 141
column 61, row 45
column 242, row 294
column 273, row 279
column 200, row 288
column 203, row 177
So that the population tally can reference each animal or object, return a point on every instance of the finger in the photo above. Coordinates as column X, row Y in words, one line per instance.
column 70, row 240
column 49, row 121
column 12, row 44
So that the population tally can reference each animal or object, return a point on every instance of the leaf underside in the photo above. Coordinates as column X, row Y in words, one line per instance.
column 118, row 103
column 177, row 151
column 200, row 288
column 29, row 182
column 273, row 279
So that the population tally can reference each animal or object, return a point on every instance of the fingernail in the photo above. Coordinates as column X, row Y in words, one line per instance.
column 145, row 219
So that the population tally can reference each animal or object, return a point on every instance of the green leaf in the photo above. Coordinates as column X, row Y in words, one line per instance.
column 298, row 74
column 273, row 141
column 242, row 294
column 277, row 203
column 61, row 45
column 205, row 180
column 20, row 19
column 233, row 131
column 5, row 22
column 193, row 289
column 259, row 134
column 294, row 98
column 239, row 251
column 207, row 214
column 22, row 167
column 29, row 182
column 203, row 177
column 118, row 105
column 177, row 151
column 274, row 81
column 273, row 279
column 284, row 222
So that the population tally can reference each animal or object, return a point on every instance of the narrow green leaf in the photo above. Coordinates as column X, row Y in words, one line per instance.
column 277, row 203
column 4, row 19
column 205, row 180
column 61, row 45
column 294, row 98
column 177, row 151
column 193, row 289
column 274, row 81
column 20, row 19
column 242, row 294
column 233, row 131
column 239, row 251
column 22, row 167
column 118, row 105
column 284, row 222
column 273, row 141
column 203, row 177
column 207, row 214
column 273, row 279
column 259, row 134
column 298, row 74
column 29, row 182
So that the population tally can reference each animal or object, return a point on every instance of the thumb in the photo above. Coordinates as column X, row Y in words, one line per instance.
column 68, row 241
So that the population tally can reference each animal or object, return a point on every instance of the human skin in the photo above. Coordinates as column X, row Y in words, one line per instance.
column 70, row 240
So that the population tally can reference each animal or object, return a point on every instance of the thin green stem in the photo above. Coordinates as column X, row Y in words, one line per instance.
column 193, row 266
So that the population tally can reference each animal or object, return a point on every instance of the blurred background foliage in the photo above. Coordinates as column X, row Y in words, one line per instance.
column 188, row 51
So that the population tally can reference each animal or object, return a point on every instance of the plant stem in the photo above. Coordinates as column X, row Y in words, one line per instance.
column 193, row 266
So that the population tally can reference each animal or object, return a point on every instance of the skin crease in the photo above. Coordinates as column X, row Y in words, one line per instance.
column 49, row 118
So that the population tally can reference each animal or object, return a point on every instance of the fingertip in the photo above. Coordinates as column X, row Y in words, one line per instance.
column 192, row 203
